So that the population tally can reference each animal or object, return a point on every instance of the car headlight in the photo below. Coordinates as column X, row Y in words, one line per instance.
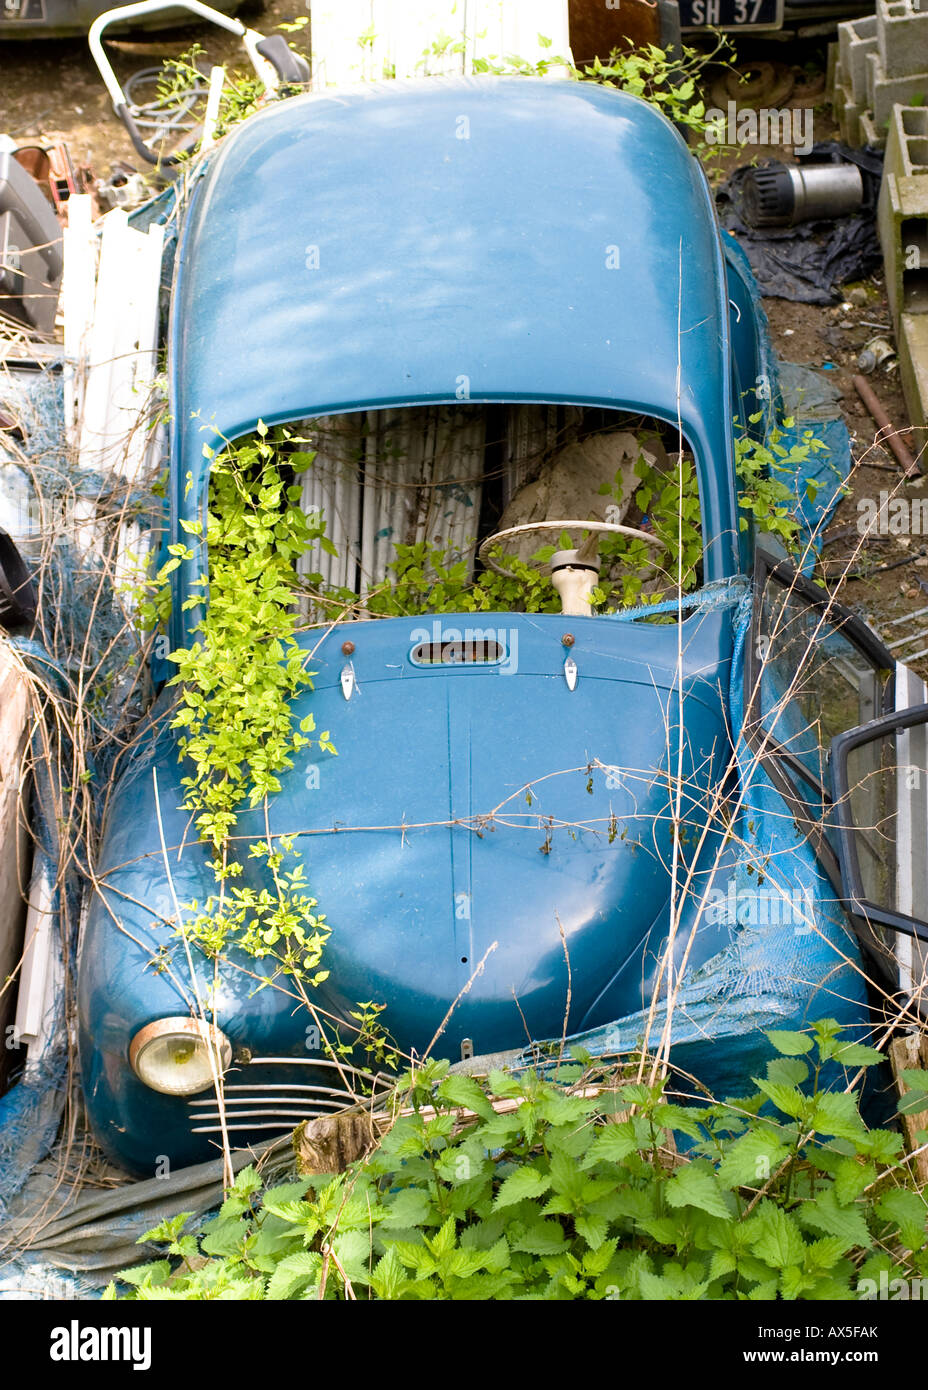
column 172, row 1055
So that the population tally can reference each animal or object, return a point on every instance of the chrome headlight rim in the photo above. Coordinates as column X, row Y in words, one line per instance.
column 180, row 1026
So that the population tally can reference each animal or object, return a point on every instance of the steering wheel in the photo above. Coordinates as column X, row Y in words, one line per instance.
column 528, row 526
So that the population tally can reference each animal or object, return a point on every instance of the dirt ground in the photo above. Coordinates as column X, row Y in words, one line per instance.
column 50, row 91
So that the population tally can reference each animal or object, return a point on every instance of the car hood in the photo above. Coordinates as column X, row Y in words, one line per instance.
column 484, row 833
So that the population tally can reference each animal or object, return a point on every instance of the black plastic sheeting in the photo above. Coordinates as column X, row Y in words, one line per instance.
column 807, row 262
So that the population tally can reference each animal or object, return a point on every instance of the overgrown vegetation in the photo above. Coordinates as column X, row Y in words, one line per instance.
column 666, row 82
column 238, row 679
column 583, row 1187
column 240, row 675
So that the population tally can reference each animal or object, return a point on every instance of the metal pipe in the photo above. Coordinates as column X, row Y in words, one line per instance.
column 870, row 399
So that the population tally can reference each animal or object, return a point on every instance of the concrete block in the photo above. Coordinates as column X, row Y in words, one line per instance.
column 869, row 135
column 856, row 38
column 847, row 114
column 902, row 31
column 902, row 223
column 853, row 31
column 858, row 73
column 912, row 345
column 884, row 92
column 907, row 141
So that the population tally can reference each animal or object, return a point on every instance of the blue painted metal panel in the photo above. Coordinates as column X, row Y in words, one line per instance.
column 349, row 251
column 424, row 850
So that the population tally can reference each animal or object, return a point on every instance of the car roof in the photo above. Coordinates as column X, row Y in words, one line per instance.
column 448, row 239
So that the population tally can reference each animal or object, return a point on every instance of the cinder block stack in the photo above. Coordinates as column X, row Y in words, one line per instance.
column 878, row 74
column 881, row 61
column 902, row 219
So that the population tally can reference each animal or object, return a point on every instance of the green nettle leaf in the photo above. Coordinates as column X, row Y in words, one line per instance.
column 786, row 1098
column 856, row 1055
column 523, row 1183
column 697, row 1185
column 777, row 1240
column 836, row 1113
column 411, row 1207
column 541, row 1237
column 882, row 1145
column 752, row 1159
column 765, row 1292
column 790, row 1044
column 293, row 1274
column 612, row 1144
column 464, row 1091
column 851, row 1178
column 825, row 1213
column 787, row 1071
column 593, row 1229
column 388, row 1276
column 907, row 1211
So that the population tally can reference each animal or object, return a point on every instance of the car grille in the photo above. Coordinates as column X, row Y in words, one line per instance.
column 274, row 1104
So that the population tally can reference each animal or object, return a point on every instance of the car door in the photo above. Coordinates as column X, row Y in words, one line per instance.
column 880, row 800
column 813, row 671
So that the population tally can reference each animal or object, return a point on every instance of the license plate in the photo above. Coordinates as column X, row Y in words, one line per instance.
column 22, row 10
column 731, row 14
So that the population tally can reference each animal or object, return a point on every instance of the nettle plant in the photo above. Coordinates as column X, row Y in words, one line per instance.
column 584, row 1186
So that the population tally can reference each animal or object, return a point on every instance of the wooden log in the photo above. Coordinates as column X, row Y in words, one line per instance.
column 910, row 1053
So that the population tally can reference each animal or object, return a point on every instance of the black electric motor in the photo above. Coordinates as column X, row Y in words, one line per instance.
column 780, row 195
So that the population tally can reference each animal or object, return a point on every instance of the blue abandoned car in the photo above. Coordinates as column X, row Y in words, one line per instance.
column 484, row 302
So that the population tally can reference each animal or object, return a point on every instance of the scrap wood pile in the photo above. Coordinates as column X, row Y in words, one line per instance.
column 81, row 444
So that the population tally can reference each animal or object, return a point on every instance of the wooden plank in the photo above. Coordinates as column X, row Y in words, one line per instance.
column 15, row 847
column 910, row 1053
column 123, row 349
column 77, row 294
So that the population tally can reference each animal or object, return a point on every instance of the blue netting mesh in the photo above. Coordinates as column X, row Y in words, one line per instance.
column 87, row 684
